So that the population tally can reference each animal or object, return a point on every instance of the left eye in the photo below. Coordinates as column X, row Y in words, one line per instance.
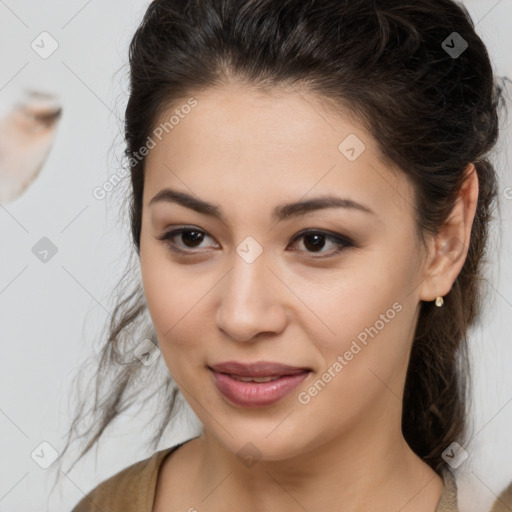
column 314, row 241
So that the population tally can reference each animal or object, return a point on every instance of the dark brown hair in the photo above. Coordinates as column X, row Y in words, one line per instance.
column 386, row 63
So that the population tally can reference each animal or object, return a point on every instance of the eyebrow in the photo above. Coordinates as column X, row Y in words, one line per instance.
column 280, row 213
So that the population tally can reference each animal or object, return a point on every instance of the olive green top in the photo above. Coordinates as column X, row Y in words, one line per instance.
column 133, row 490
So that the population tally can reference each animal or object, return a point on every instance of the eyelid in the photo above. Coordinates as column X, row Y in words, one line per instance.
column 340, row 239
column 177, row 230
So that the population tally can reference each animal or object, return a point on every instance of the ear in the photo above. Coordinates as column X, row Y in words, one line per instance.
column 449, row 248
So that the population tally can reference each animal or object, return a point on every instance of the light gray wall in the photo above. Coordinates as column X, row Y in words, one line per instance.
column 50, row 312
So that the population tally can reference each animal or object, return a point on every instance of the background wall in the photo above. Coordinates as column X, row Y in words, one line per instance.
column 50, row 312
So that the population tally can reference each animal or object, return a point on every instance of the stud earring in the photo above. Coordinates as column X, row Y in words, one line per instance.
column 439, row 302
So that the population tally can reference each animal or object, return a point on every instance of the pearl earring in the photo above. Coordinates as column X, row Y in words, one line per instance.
column 439, row 302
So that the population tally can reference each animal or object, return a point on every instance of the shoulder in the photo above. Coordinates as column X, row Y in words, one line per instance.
column 131, row 489
column 504, row 501
column 448, row 500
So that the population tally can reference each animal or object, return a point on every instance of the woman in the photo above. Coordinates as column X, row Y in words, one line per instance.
column 311, row 193
column 27, row 135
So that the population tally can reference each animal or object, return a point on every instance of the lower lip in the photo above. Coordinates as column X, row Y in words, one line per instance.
column 256, row 394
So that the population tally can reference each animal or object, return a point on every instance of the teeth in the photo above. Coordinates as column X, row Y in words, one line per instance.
column 253, row 379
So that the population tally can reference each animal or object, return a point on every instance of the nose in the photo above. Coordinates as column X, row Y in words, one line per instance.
column 252, row 301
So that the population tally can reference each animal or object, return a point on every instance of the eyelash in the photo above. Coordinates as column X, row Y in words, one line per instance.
column 343, row 242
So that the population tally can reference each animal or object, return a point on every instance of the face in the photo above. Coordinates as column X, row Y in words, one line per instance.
column 26, row 137
column 332, row 289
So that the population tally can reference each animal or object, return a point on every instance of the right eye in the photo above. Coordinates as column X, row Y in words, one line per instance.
column 190, row 237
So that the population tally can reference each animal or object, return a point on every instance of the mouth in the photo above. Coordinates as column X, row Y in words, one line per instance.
column 253, row 379
column 256, row 385
column 261, row 369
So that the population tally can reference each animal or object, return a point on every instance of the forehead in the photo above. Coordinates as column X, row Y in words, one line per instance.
column 238, row 143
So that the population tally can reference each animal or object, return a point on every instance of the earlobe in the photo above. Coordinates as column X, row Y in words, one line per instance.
column 450, row 245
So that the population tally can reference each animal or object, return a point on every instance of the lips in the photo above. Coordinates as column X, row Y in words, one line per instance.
column 258, row 384
column 256, row 393
column 257, row 370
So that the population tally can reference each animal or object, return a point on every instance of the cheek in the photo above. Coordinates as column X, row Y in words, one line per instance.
column 363, row 362
column 367, row 318
column 346, row 304
column 176, row 300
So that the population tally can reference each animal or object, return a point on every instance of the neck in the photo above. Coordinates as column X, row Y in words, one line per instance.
column 364, row 468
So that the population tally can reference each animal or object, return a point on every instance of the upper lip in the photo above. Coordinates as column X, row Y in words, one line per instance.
column 259, row 369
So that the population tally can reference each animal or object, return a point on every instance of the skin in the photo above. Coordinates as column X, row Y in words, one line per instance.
column 249, row 152
column 26, row 138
